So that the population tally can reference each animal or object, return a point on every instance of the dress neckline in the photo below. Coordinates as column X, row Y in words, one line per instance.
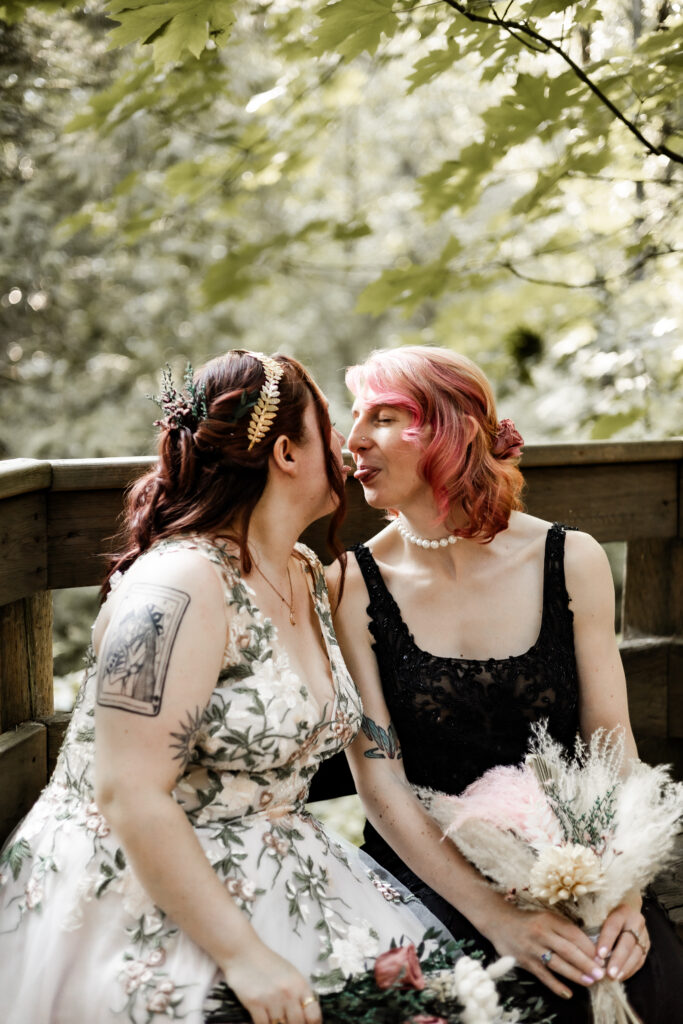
column 554, row 529
column 279, row 649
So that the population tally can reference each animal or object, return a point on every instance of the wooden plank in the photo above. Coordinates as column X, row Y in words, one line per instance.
column 19, row 476
column 23, row 769
column 98, row 474
column 624, row 502
column 26, row 660
column 648, row 605
column 23, row 543
column 80, row 529
column 39, row 619
column 676, row 688
column 646, row 663
column 575, row 453
column 56, row 726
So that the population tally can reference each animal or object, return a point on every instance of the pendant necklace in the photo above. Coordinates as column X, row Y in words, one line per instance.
column 424, row 542
column 290, row 603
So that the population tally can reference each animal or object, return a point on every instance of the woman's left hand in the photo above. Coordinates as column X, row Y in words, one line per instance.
column 623, row 942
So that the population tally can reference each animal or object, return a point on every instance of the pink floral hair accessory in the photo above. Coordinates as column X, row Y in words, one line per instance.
column 509, row 442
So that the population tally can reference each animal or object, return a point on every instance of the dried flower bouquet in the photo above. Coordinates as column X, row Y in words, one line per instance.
column 575, row 834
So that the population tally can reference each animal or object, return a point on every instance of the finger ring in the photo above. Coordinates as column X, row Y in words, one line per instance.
column 636, row 936
column 307, row 1001
column 547, row 957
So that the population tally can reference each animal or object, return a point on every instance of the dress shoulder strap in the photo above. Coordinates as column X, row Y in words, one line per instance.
column 381, row 604
column 556, row 608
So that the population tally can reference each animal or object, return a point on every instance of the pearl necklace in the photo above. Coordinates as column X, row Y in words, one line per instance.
column 424, row 542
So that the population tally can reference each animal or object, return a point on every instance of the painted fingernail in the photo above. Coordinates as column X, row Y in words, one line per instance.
column 603, row 951
column 600, row 960
column 598, row 973
column 565, row 993
column 586, row 979
column 613, row 971
column 620, row 976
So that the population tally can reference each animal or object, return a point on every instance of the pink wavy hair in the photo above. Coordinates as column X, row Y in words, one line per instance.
column 461, row 461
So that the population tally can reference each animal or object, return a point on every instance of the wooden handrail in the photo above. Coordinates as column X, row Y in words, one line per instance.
column 57, row 519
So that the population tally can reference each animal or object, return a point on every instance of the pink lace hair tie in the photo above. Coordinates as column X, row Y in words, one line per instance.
column 509, row 442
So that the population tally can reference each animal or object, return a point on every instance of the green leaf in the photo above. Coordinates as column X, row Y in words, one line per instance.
column 345, row 232
column 409, row 287
column 609, row 424
column 173, row 27
column 15, row 855
column 350, row 27
column 542, row 8
column 434, row 64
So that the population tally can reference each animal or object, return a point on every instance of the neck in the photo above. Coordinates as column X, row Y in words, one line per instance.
column 273, row 531
column 420, row 519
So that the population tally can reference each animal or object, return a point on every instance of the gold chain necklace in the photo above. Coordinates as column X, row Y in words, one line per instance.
column 290, row 603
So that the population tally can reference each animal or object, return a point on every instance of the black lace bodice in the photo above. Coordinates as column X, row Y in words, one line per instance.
column 456, row 717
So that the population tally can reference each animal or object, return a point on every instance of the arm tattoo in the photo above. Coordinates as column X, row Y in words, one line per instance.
column 386, row 740
column 140, row 639
column 186, row 737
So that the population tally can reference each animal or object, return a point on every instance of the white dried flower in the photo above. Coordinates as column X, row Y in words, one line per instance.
column 565, row 872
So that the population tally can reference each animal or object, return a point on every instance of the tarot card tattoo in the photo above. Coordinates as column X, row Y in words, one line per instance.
column 138, row 648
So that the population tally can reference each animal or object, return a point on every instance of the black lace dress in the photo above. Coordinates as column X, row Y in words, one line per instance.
column 457, row 717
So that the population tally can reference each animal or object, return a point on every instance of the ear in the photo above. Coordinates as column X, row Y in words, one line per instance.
column 470, row 426
column 284, row 455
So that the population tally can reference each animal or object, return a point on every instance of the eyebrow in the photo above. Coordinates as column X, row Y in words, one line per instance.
column 371, row 408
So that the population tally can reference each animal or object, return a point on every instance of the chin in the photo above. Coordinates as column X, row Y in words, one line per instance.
column 375, row 499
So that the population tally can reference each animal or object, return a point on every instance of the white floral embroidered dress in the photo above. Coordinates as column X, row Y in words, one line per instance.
column 80, row 940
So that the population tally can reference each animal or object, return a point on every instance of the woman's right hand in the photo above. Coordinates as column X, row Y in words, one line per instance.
column 530, row 936
column 270, row 988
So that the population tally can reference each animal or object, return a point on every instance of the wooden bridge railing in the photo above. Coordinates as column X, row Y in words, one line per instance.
column 56, row 519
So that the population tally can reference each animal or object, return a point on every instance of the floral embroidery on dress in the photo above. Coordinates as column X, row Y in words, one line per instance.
column 260, row 740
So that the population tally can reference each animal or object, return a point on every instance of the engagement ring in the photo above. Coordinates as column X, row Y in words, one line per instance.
column 546, row 957
column 636, row 936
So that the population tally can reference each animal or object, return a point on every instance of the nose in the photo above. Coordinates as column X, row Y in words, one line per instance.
column 356, row 441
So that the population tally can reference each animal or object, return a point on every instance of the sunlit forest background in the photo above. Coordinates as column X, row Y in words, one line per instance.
column 183, row 177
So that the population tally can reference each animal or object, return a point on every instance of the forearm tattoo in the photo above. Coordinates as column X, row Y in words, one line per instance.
column 138, row 648
column 386, row 740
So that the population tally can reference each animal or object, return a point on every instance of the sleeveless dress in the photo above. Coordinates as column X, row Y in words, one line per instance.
column 81, row 941
column 457, row 717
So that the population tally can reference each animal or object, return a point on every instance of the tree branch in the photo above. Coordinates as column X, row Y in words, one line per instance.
column 517, row 28
column 596, row 282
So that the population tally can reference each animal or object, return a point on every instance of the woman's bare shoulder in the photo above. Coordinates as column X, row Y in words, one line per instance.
column 183, row 569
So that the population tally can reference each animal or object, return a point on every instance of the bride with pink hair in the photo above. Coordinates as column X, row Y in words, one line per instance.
column 464, row 622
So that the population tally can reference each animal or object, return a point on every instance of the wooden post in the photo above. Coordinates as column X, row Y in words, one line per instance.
column 26, row 660
column 652, row 649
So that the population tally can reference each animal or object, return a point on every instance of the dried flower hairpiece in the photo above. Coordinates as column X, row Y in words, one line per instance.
column 181, row 408
column 265, row 409
column 508, row 442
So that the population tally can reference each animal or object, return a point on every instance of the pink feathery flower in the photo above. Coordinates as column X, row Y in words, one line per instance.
column 512, row 799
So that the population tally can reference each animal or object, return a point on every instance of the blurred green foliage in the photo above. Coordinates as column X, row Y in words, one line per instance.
column 325, row 178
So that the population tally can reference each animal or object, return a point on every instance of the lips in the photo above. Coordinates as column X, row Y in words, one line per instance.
column 366, row 474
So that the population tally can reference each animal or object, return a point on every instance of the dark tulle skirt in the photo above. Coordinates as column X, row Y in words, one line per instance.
column 655, row 992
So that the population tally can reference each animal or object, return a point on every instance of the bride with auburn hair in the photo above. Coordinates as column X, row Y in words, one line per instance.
column 172, row 848
column 464, row 622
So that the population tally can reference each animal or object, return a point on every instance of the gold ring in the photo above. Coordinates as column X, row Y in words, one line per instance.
column 636, row 936
column 307, row 1001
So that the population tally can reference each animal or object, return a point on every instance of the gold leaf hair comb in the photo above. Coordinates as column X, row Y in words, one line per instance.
column 265, row 410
